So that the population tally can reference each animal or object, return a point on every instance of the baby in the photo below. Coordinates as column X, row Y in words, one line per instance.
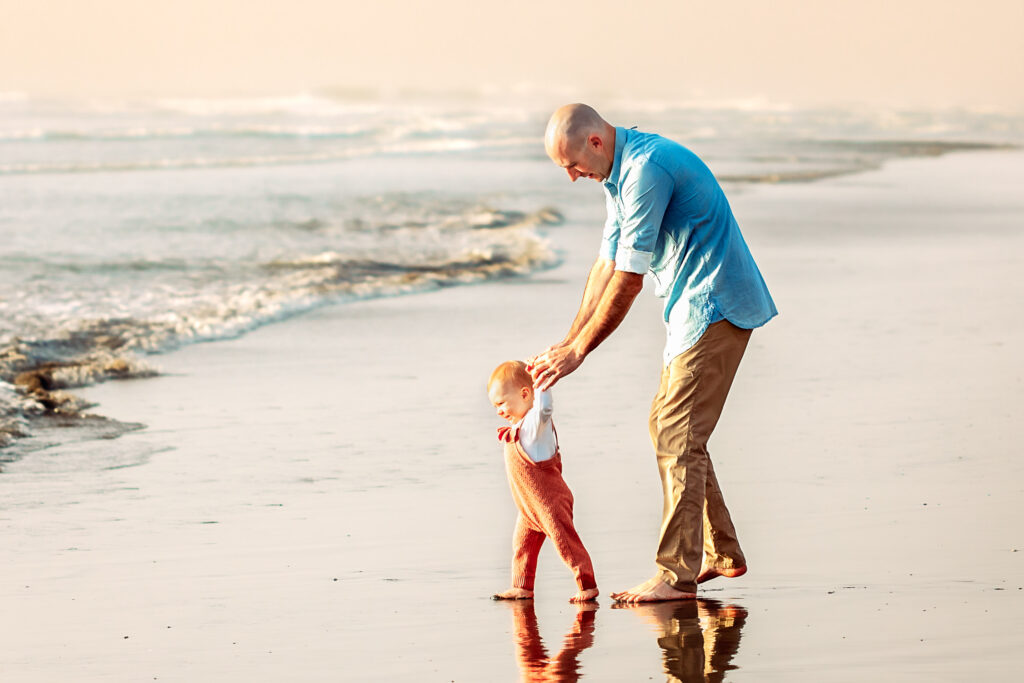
column 534, row 468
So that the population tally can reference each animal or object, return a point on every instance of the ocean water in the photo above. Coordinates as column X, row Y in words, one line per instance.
column 128, row 228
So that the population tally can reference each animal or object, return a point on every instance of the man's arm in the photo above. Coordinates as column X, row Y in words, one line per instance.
column 612, row 307
column 616, row 301
column 597, row 282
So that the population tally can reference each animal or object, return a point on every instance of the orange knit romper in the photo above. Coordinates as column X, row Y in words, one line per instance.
column 545, row 511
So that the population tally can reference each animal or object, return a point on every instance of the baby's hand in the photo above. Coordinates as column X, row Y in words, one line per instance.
column 505, row 434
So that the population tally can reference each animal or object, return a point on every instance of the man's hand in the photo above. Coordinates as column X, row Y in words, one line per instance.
column 564, row 357
column 554, row 364
column 532, row 360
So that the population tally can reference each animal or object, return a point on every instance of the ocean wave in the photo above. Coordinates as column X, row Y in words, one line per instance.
column 141, row 133
column 36, row 370
column 908, row 148
column 303, row 104
column 102, row 266
column 862, row 155
column 439, row 145
column 781, row 177
column 178, row 163
column 16, row 408
column 737, row 104
column 32, row 388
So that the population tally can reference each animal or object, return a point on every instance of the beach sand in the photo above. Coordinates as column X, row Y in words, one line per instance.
column 324, row 499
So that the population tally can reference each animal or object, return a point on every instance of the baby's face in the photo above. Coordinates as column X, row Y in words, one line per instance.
column 510, row 401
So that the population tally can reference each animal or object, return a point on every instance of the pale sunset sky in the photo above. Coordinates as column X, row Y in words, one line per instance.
column 903, row 53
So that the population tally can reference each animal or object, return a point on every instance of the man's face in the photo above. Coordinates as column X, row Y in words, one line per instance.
column 510, row 402
column 588, row 160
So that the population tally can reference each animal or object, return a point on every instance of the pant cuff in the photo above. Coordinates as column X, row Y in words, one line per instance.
column 726, row 564
column 686, row 587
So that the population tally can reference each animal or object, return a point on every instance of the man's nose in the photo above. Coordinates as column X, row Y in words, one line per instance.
column 573, row 174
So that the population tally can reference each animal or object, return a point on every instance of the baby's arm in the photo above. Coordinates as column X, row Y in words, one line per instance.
column 537, row 424
column 539, row 413
column 544, row 405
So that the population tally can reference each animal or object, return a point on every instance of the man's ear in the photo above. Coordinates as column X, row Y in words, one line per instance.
column 596, row 142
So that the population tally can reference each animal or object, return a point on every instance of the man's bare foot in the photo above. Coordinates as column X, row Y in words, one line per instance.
column 514, row 594
column 652, row 590
column 646, row 585
column 712, row 573
column 585, row 596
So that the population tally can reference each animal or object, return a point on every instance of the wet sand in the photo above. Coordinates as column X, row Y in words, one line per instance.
column 323, row 499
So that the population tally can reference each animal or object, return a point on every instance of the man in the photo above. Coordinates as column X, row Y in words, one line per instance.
column 667, row 215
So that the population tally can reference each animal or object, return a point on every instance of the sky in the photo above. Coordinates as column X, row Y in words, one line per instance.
column 900, row 53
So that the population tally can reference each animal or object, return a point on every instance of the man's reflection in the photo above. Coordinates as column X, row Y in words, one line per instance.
column 534, row 662
column 698, row 638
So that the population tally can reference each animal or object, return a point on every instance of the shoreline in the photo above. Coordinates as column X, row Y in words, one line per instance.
column 323, row 497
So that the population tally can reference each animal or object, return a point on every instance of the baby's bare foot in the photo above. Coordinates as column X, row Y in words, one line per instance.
column 514, row 594
column 585, row 596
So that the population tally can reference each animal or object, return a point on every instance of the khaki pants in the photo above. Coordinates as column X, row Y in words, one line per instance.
column 683, row 415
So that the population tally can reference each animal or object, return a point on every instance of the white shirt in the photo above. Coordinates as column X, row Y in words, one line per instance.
column 536, row 430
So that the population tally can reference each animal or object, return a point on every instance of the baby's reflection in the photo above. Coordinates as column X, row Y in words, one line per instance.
column 698, row 638
column 534, row 662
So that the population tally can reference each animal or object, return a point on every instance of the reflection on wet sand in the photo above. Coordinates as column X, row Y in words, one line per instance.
column 698, row 638
column 534, row 663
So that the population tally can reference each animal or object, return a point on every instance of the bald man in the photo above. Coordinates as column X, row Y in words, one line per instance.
column 667, row 216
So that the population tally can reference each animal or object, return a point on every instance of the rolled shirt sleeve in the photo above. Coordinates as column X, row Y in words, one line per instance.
column 646, row 192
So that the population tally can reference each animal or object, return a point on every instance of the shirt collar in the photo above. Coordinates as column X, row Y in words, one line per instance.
column 620, row 142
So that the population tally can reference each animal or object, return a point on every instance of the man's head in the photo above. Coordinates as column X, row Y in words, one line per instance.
column 510, row 389
column 581, row 142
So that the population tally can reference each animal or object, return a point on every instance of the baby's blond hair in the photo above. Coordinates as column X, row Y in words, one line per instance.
column 511, row 371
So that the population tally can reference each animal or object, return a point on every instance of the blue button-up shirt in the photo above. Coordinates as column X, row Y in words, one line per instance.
column 668, row 216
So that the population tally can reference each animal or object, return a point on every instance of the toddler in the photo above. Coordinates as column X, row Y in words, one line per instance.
column 534, row 468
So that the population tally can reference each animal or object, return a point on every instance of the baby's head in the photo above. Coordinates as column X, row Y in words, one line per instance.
column 510, row 389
